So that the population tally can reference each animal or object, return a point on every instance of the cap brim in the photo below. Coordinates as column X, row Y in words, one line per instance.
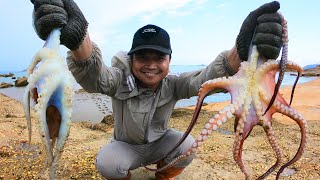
column 153, row 47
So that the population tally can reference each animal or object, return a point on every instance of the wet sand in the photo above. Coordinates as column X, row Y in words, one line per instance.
column 88, row 107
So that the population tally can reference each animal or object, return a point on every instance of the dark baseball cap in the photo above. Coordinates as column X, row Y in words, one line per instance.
column 151, row 37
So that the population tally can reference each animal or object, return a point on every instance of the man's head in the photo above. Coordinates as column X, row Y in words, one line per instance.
column 150, row 54
column 151, row 37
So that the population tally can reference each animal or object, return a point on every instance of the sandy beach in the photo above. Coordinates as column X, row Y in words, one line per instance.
column 214, row 160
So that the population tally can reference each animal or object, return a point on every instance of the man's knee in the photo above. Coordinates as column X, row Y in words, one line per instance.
column 184, row 147
column 110, row 166
column 187, row 143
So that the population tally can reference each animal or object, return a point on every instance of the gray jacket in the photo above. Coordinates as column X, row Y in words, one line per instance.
column 140, row 115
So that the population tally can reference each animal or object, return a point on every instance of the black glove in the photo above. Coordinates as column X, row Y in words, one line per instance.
column 264, row 24
column 65, row 14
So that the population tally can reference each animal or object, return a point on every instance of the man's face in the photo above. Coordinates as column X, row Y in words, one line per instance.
column 150, row 67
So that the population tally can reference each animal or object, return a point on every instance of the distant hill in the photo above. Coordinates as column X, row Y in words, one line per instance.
column 313, row 70
column 310, row 66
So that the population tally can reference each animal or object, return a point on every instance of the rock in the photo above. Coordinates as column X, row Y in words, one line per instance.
column 7, row 75
column 21, row 82
column 5, row 85
column 312, row 71
column 108, row 120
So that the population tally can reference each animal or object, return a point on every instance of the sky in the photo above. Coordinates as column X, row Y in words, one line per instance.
column 199, row 29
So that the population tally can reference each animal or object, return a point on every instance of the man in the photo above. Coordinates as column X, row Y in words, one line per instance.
column 143, row 94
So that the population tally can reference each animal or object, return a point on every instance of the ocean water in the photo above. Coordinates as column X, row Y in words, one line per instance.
column 174, row 69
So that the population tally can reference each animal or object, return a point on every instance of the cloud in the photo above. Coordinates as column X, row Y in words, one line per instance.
column 104, row 15
column 222, row 5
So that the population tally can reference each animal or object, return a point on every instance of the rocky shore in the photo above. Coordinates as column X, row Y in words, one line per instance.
column 312, row 71
column 19, row 82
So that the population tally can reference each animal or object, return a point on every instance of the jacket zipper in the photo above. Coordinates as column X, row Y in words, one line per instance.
column 148, row 118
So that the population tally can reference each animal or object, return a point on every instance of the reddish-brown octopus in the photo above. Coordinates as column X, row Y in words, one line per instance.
column 254, row 99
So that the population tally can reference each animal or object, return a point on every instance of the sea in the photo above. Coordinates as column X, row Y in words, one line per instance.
column 100, row 104
column 174, row 69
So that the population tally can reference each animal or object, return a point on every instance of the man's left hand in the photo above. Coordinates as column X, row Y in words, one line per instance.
column 268, row 36
column 263, row 27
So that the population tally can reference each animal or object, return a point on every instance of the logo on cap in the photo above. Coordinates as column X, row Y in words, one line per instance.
column 149, row 30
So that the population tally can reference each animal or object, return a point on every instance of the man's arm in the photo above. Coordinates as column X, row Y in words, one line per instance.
column 84, row 51
column 233, row 59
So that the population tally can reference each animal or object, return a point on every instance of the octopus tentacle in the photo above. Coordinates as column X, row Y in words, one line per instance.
column 212, row 125
column 44, row 53
column 273, row 142
column 283, row 63
column 243, row 129
column 42, row 102
column 65, row 117
column 205, row 89
column 237, row 148
column 270, row 134
column 63, row 130
column 26, row 98
column 297, row 117
column 293, row 66
column 272, row 65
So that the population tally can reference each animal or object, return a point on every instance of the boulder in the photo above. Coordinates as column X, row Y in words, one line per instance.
column 5, row 85
column 21, row 82
column 7, row 75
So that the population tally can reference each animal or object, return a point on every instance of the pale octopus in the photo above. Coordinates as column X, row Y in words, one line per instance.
column 50, row 86
column 252, row 103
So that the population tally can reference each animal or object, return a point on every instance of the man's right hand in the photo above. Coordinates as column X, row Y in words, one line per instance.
column 65, row 14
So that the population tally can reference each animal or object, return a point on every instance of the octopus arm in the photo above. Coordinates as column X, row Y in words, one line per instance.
column 62, row 101
column 275, row 146
column 237, row 149
column 293, row 66
column 205, row 89
column 46, row 91
column 297, row 117
column 213, row 123
column 247, row 120
column 44, row 53
column 26, row 104
column 273, row 66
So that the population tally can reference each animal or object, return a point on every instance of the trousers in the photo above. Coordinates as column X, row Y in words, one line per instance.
column 116, row 158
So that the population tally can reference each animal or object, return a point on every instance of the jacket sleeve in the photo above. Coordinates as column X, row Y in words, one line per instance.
column 188, row 83
column 93, row 75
